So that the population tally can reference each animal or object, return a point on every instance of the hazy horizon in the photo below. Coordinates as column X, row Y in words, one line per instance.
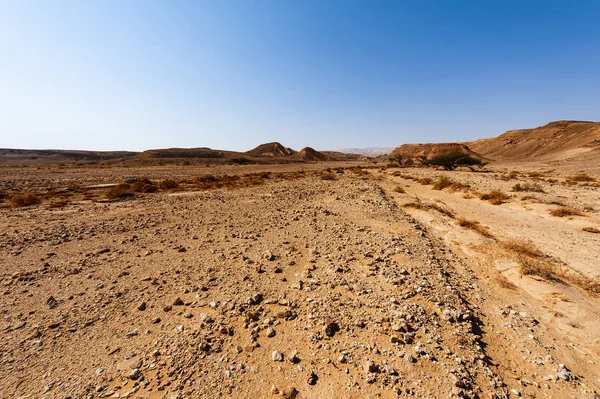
column 331, row 75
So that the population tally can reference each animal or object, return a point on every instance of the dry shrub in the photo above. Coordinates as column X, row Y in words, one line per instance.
column 504, row 282
column 581, row 177
column 467, row 195
column 532, row 187
column 142, row 187
column 441, row 183
column 120, row 191
column 521, row 246
column 425, row 180
column 565, row 211
column 535, row 174
column 328, row 176
column 495, row 197
column 532, row 261
column 418, row 204
column 473, row 225
column 17, row 201
column 169, row 184
column 540, row 267
column 591, row 229
column 399, row 189
column 58, row 204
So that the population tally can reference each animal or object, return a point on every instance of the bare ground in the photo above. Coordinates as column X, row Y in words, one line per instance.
column 303, row 287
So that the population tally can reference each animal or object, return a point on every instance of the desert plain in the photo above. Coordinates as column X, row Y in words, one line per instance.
column 355, row 278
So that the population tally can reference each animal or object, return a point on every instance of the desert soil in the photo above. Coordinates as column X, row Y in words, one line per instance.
column 297, row 287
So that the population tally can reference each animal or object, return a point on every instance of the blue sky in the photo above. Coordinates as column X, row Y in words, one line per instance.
column 128, row 74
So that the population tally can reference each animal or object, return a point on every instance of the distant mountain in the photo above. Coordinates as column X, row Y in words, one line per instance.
column 271, row 150
column 369, row 152
column 554, row 141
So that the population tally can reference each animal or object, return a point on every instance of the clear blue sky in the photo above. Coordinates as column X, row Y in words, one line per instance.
column 127, row 74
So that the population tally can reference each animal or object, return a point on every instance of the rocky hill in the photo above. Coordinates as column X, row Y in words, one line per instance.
column 417, row 152
column 310, row 154
column 271, row 150
column 558, row 140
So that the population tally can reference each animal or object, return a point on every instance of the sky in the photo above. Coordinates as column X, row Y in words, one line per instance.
column 227, row 74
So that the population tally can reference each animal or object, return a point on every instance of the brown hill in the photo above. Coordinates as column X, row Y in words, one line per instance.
column 555, row 141
column 9, row 155
column 167, row 153
column 417, row 152
column 310, row 154
column 271, row 150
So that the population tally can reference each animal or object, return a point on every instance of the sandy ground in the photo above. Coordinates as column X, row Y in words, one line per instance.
column 302, row 287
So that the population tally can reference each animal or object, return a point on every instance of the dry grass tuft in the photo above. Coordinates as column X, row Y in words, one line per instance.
column 58, row 204
column 534, row 262
column 399, row 189
column 169, row 184
column 591, row 229
column 495, row 197
column 529, row 187
column 328, row 176
column 143, row 186
column 418, row 204
column 120, row 191
column 565, row 211
column 522, row 247
column 441, row 183
column 504, row 282
column 540, row 267
column 473, row 225
column 581, row 177
column 17, row 201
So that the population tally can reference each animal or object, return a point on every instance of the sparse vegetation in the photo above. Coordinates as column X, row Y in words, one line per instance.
column 328, row 176
column 522, row 247
column 495, row 197
column 565, row 211
column 473, row 225
column 120, row 191
column 534, row 262
column 591, row 229
column 581, row 177
column 169, row 184
column 529, row 187
column 453, row 160
column 441, row 183
column 418, row 204
column 399, row 189
column 20, row 200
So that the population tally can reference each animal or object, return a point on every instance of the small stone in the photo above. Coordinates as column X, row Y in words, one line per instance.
column 290, row 393
column 142, row 306
column 312, row 378
column 293, row 357
column 371, row 367
column 132, row 333
column 135, row 374
column 178, row 302
column 270, row 332
column 331, row 328
column 52, row 303
column 277, row 356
